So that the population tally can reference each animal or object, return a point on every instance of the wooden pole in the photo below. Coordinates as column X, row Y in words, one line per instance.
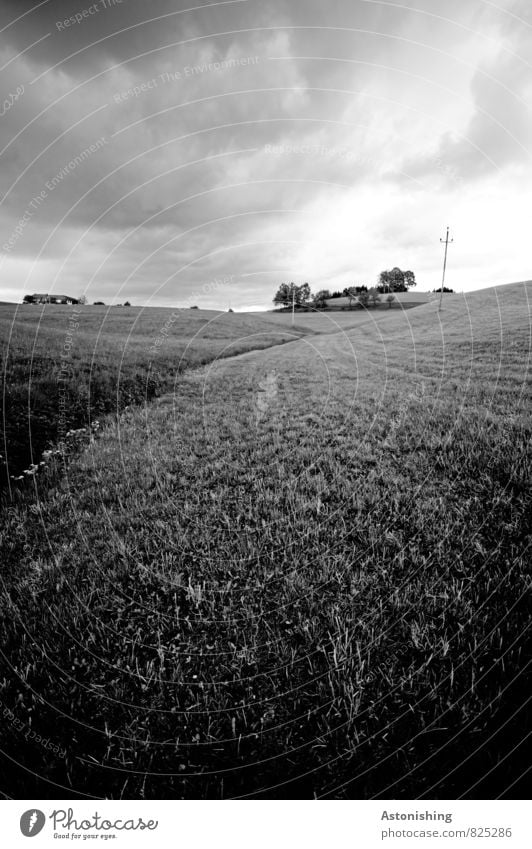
column 293, row 302
column 445, row 242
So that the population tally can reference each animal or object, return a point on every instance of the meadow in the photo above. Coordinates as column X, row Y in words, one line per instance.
column 344, row 318
column 92, row 361
column 303, row 572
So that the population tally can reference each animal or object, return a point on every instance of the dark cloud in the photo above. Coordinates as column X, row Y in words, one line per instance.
column 246, row 139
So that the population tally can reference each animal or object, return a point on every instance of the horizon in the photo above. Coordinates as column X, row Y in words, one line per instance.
column 253, row 309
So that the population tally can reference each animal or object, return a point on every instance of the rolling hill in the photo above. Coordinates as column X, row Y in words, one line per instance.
column 62, row 367
column 302, row 573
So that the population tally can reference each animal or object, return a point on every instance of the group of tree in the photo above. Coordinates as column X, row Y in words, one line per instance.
column 396, row 280
column 102, row 304
column 320, row 299
column 83, row 300
column 290, row 293
column 345, row 292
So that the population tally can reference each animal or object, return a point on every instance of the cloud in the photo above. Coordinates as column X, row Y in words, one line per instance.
column 498, row 131
column 288, row 139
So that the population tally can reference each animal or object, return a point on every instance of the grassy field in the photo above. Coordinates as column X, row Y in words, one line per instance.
column 333, row 320
column 302, row 573
column 99, row 360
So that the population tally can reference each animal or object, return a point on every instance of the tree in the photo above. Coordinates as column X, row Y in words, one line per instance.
column 82, row 300
column 28, row 299
column 390, row 299
column 127, row 304
column 350, row 293
column 320, row 299
column 283, row 296
column 445, row 289
column 289, row 293
column 396, row 280
column 303, row 294
column 363, row 298
column 374, row 296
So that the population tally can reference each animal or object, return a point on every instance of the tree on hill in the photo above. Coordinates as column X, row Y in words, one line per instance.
column 374, row 296
column 356, row 289
column 289, row 293
column 396, row 280
column 283, row 296
column 351, row 293
column 363, row 298
column 320, row 299
column 304, row 294
column 82, row 300
column 445, row 289
column 390, row 299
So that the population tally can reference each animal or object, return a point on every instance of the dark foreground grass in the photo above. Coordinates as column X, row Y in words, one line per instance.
column 63, row 367
column 304, row 573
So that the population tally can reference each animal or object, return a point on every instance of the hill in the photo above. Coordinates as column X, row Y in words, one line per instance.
column 74, row 364
column 303, row 573
column 338, row 315
column 325, row 321
column 402, row 300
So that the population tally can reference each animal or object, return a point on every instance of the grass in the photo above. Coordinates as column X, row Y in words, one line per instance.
column 114, row 357
column 334, row 320
column 302, row 573
column 326, row 321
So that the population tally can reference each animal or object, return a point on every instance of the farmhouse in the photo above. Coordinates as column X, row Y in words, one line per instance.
column 50, row 299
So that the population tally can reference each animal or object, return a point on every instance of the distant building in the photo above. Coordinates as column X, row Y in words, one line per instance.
column 50, row 299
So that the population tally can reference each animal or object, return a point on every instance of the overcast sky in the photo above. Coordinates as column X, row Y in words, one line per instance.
column 173, row 153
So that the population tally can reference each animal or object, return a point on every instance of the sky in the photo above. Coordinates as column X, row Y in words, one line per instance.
column 175, row 153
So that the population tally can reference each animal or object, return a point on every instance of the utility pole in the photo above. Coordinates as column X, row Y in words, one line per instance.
column 293, row 301
column 445, row 242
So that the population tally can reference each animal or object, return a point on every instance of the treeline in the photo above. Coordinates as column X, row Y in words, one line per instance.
column 396, row 280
